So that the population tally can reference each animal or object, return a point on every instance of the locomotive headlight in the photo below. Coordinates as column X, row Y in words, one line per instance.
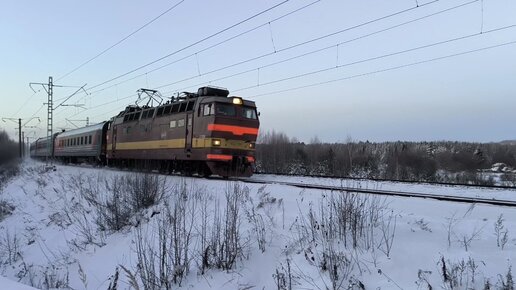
column 216, row 142
column 251, row 145
column 237, row 101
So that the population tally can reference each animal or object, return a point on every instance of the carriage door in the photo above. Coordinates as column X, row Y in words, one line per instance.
column 189, row 133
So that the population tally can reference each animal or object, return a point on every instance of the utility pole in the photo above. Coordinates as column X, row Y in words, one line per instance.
column 49, row 88
column 20, row 138
column 22, row 145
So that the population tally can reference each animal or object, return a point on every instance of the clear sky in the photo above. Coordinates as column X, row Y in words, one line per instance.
column 469, row 97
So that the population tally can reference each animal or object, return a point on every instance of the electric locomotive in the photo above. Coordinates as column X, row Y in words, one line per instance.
column 208, row 132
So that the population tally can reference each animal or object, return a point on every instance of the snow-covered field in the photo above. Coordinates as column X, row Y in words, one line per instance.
column 223, row 235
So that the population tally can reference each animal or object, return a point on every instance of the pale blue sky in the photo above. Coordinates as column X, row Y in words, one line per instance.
column 470, row 97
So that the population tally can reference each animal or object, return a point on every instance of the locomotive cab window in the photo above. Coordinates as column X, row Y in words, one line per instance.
column 249, row 113
column 225, row 110
column 208, row 109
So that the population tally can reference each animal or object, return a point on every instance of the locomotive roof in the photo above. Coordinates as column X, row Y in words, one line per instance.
column 82, row 130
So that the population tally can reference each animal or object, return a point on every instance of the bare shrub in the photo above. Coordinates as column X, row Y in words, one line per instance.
column 502, row 236
column 125, row 196
column 5, row 209
column 55, row 278
column 225, row 245
column 10, row 249
column 340, row 226
column 164, row 254
column 507, row 282
column 284, row 278
column 463, row 274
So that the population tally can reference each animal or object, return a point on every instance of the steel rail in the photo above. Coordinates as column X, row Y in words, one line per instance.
column 452, row 198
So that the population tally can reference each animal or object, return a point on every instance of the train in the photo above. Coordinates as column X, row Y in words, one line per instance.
column 205, row 133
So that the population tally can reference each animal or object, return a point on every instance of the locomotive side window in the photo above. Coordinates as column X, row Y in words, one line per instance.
column 190, row 106
column 225, row 110
column 208, row 109
column 160, row 111
column 183, row 107
column 175, row 108
column 173, row 124
column 168, row 109
column 249, row 113
column 181, row 123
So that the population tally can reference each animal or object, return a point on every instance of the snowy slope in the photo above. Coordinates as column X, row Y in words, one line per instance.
column 405, row 249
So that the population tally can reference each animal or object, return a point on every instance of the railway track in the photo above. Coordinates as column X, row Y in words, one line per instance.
column 490, row 186
column 451, row 198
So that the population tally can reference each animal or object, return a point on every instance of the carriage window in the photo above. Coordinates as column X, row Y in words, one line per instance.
column 82, row 140
column 89, row 140
column 225, row 110
column 180, row 122
column 249, row 113
column 173, row 124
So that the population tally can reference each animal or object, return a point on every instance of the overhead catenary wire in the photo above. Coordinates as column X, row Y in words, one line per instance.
column 284, row 49
column 209, row 47
column 292, row 46
column 120, row 41
column 191, row 45
column 366, row 60
column 325, row 48
column 378, row 57
column 311, row 52
column 316, row 39
column 376, row 32
column 387, row 69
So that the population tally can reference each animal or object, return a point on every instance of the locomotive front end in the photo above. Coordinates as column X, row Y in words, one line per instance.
column 230, row 131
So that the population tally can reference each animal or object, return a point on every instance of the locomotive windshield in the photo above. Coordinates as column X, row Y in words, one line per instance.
column 225, row 110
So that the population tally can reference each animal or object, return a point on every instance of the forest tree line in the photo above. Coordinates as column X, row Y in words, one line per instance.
column 8, row 149
column 441, row 161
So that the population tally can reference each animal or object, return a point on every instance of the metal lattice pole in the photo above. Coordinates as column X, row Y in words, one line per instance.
column 50, row 111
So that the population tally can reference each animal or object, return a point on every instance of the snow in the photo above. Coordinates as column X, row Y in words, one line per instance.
column 43, row 199
column 11, row 285
column 452, row 190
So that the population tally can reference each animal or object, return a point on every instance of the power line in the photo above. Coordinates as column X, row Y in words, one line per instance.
column 367, row 73
column 120, row 41
column 211, row 46
column 388, row 69
column 360, row 37
column 316, row 39
column 303, row 43
column 377, row 57
column 193, row 44
column 26, row 102
column 292, row 46
column 313, row 51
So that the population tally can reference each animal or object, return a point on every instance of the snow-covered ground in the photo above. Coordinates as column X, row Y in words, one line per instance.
column 286, row 236
column 489, row 193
